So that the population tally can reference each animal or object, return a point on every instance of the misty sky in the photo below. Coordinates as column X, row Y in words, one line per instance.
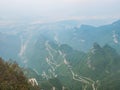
column 55, row 10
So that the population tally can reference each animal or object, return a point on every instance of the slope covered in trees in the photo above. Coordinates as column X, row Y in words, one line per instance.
column 12, row 77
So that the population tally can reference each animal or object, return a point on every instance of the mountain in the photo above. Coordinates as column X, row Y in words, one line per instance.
column 80, row 38
column 62, row 55
column 78, row 70
column 12, row 77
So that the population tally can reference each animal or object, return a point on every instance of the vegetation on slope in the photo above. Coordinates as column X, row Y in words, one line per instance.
column 12, row 77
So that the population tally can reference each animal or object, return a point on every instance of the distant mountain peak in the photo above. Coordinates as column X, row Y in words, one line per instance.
column 86, row 27
column 96, row 45
column 116, row 22
column 96, row 48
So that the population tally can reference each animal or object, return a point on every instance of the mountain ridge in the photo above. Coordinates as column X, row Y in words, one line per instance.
column 74, row 57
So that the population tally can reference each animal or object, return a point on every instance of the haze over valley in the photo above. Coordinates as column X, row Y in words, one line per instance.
column 59, row 45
